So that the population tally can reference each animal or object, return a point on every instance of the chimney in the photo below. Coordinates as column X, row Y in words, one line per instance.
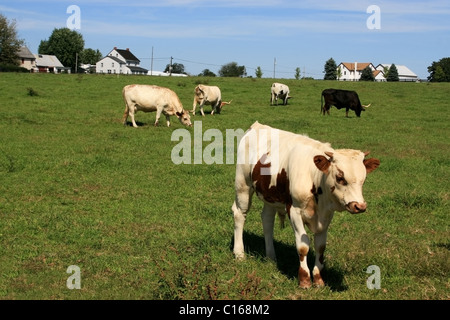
column 115, row 48
column 128, row 49
column 356, row 68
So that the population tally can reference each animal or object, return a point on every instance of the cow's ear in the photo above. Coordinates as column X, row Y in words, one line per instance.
column 322, row 163
column 371, row 164
column 179, row 114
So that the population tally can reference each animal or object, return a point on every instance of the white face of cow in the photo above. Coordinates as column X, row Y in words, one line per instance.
column 185, row 118
column 346, row 172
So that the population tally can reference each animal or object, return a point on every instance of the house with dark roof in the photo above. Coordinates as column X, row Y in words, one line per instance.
column 120, row 61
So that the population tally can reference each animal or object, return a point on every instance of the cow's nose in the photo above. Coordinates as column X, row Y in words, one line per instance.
column 357, row 207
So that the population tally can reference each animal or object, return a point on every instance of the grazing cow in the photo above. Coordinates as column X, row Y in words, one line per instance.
column 306, row 179
column 341, row 99
column 150, row 98
column 208, row 95
column 279, row 90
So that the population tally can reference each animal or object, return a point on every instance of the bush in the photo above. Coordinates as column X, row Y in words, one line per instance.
column 12, row 68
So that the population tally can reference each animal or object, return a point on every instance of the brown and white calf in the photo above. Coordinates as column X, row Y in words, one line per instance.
column 306, row 179
column 150, row 98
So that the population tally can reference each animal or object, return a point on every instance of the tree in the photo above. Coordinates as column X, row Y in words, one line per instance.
column 89, row 56
column 439, row 71
column 330, row 70
column 9, row 42
column 176, row 68
column 297, row 73
column 258, row 72
column 392, row 74
column 367, row 74
column 65, row 44
column 207, row 73
column 232, row 70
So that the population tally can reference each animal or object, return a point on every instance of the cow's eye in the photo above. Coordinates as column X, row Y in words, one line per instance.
column 341, row 180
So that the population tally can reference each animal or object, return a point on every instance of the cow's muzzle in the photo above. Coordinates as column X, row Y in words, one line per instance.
column 356, row 207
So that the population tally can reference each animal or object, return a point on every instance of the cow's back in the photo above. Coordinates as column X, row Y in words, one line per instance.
column 152, row 97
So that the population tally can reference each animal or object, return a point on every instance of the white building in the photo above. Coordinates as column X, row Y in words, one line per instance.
column 349, row 71
column 49, row 63
column 120, row 61
column 404, row 73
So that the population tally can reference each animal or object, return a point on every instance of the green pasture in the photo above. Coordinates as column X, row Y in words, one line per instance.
column 79, row 188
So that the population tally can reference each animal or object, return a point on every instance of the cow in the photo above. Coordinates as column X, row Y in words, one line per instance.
column 341, row 99
column 279, row 90
column 208, row 95
column 304, row 178
column 149, row 98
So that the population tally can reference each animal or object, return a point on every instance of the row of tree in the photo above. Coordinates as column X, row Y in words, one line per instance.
column 68, row 46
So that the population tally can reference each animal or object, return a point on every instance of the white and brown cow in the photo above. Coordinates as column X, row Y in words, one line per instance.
column 279, row 90
column 305, row 178
column 149, row 98
column 208, row 95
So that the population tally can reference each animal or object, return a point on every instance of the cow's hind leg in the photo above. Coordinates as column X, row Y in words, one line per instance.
column 241, row 205
column 268, row 218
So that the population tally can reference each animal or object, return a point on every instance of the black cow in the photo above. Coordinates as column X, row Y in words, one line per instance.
column 341, row 99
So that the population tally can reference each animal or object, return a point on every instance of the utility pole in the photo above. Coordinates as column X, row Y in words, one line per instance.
column 170, row 67
column 274, row 66
column 151, row 67
column 76, row 62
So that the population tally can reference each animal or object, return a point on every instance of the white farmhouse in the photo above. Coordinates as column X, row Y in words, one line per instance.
column 349, row 71
column 120, row 61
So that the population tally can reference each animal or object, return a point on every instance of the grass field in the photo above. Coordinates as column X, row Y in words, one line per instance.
column 79, row 188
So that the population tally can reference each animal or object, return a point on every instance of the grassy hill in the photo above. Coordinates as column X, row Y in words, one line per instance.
column 79, row 188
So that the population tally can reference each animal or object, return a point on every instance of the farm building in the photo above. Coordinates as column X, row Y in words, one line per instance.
column 404, row 73
column 27, row 59
column 49, row 63
column 120, row 61
column 349, row 71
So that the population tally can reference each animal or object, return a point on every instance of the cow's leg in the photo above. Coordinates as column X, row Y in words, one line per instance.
column 158, row 115
column 193, row 109
column 302, row 245
column 131, row 113
column 241, row 205
column 168, row 120
column 201, row 109
column 320, row 242
column 268, row 218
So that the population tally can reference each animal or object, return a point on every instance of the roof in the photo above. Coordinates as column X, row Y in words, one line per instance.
column 45, row 60
column 137, row 69
column 25, row 53
column 359, row 65
column 403, row 71
column 127, row 55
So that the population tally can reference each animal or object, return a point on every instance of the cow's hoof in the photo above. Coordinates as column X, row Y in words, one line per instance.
column 305, row 284
column 318, row 282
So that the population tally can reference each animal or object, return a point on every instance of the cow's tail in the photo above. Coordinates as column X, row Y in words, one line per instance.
column 127, row 108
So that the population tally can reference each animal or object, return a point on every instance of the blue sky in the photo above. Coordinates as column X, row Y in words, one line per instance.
column 207, row 34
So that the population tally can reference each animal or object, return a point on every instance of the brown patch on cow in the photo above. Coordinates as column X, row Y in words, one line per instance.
column 332, row 188
column 304, row 279
column 279, row 192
